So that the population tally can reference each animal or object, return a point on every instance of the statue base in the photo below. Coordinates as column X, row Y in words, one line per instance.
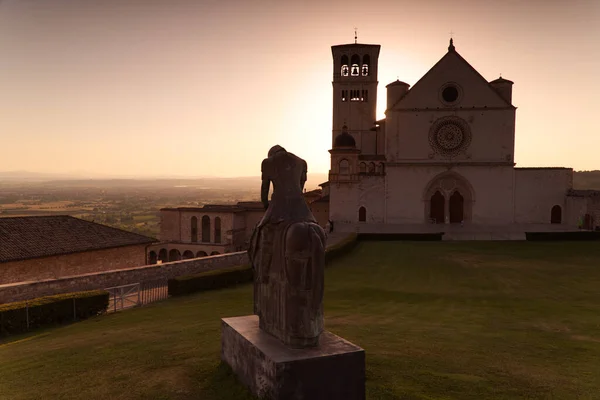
column 335, row 369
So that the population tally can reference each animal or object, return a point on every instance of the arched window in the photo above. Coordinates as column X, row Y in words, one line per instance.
column 344, row 167
column 206, row 229
column 345, row 63
column 188, row 254
column 380, row 168
column 365, row 65
column 201, row 254
column 217, row 230
column 344, row 95
column 174, row 255
column 152, row 258
column 354, row 69
column 362, row 168
column 556, row 215
column 163, row 256
column 362, row 214
column 372, row 168
column 194, row 229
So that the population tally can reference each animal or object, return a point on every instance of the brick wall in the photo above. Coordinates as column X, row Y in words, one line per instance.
column 72, row 264
column 100, row 280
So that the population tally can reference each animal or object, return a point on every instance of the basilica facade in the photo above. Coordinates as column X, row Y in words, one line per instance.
column 443, row 157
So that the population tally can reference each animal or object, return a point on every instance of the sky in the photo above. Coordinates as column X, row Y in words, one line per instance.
column 194, row 88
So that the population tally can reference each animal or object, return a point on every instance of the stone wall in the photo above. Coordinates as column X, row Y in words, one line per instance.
column 72, row 264
column 537, row 190
column 29, row 290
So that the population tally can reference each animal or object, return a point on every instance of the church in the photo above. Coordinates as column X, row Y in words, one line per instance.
column 442, row 159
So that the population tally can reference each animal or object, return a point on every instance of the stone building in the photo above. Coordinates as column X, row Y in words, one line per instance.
column 190, row 232
column 443, row 156
column 49, row 247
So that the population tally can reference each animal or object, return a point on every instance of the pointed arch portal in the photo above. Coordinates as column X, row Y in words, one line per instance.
column 448, row 196
column 457, row 204
column 436, row 210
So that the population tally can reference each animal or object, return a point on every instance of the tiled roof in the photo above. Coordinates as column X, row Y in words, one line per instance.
column 207, row 208
column 22, row 238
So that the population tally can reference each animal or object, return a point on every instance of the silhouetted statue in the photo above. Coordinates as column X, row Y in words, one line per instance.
column 287, row 251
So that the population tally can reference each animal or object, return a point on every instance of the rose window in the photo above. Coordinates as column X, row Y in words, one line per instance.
column 449, row 136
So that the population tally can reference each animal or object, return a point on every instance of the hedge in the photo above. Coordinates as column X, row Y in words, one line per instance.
column 49, row 310
column 339, row 249
column 562, row 236
column 210, row 280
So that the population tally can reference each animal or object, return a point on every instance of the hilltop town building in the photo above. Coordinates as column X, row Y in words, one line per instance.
column 50, row 247
column 443, row 156
column 191, row 232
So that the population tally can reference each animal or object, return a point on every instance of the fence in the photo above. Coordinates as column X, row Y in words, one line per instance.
column 137, row 294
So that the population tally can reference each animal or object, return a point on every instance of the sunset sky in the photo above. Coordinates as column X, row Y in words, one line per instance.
column 193, row 87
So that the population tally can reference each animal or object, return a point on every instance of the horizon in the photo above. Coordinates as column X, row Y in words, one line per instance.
column 184, row 87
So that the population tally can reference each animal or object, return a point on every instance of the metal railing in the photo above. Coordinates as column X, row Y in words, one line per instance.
column 136, row 294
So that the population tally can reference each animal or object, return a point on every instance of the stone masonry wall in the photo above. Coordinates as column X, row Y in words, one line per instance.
column 72, row 264
column 101, row 280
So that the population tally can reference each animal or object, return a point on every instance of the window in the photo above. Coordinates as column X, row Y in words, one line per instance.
column 345, row 63
column 365, row 65
column 344, row 95
column 365, row 95
column 362, row 168
column 380, row 168
column 355, row 95
column 362, row 214
column 194, row 229
column 217, row 230
column 354, row 70
column 371, row 168
column 206, row 228
column 344, row 167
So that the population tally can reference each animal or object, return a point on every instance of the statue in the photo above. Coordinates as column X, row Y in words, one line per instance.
column 287, row 252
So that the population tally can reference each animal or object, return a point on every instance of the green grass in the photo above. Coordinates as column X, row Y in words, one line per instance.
column 437, row 321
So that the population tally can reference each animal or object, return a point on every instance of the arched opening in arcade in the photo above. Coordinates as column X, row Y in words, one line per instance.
column 174, row 255
column 163, row 256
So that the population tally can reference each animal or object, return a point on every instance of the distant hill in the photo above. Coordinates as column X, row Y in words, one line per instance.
column 65, row 181
column 586, row 180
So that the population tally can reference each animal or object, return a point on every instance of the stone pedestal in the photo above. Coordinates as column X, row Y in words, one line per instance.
column 333, row 370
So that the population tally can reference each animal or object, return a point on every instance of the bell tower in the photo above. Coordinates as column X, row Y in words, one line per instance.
column 355, row 93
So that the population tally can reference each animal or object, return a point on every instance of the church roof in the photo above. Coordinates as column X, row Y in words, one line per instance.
column 502, row 80
column 451, row 53
column 397, row 82
column 344, row 139
column 23, row 238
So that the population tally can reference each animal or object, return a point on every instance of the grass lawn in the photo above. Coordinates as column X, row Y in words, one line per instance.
column 437, row 320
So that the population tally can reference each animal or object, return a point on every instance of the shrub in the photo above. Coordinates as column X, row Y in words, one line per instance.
column 49, row 310
column 210, row 280
column 341, row 248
